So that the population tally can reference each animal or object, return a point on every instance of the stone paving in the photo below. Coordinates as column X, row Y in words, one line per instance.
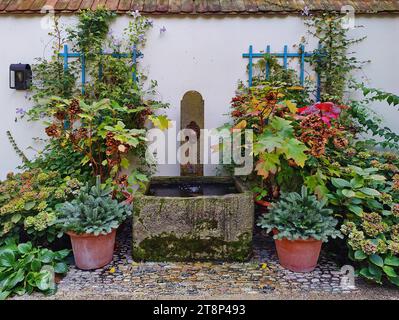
column 261, row 275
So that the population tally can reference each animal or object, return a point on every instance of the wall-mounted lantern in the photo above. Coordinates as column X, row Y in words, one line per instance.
column 20, row 76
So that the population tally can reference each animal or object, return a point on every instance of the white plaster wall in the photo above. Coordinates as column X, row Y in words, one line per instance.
column 195, row 53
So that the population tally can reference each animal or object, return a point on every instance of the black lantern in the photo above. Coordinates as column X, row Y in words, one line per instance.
column 20, row 76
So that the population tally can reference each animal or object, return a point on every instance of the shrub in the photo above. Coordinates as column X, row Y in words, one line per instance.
column 93, row 211
column 300, row 216
column 28, row 200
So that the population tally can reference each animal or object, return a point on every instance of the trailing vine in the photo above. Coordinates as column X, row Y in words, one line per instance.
column 17, row 150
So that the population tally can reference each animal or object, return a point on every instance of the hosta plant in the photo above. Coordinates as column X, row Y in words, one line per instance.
column 300, row 216
column 24, row 269
column 93, row 211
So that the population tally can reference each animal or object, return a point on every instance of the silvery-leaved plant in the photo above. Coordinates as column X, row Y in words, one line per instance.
column 93, row 211
column 300, row 216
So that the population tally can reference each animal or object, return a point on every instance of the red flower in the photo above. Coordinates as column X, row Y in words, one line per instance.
column 325, row 106
column 300, row 110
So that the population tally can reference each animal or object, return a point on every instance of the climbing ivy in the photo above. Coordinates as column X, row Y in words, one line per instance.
column 333, row 60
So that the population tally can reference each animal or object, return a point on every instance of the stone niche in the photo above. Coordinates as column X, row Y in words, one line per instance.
column 192, row 117
column 196, row 218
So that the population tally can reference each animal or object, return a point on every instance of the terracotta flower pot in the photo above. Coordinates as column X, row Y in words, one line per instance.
column 298, row 255
column 92, row 252
column 264, row 205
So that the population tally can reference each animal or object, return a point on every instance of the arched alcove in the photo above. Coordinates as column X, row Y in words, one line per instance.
column 192, row 117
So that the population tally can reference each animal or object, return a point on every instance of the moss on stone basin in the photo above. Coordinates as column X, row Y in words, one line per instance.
column 204, row 227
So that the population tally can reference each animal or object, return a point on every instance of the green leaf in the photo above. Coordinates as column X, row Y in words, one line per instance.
column 390, row 271
column 44, row 281
column 296, row 151
column 357, row 182
column 375, row 272
column 377, row 177
column 267, row 164
column 7, row 258
column 29, row 205
column 360, row 255
column 25, row 247
column 370, row 192
column 125, row 163
column 36, row 265
column 15, row 218
column 4, row 294
column 62, row 254
column 356, row 210
column 46, row 256
column 366, row 273
column 340, row 183
column 395, row 280
column 61, row 268
column 282, row 126
column 392, row 261
column 377, row 260
column 348, row 193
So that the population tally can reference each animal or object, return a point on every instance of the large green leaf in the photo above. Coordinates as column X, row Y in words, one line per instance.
column 360, row 255
column 29, row 205
column 370, row 192
column 268, row 163
column 36, row 265
column 394, row 280
column 25, row 247
column 357, row 182
column 61, row 268
column 390, row 271
column 46, row 256
column 16, row 218
column 348, row 193
column 7, row 258
column 282, row 126
column 392, row 261
column 295, row 150
column 4, row 294
column 377, row 260
column 356, row 210
column 269, row 143
column 375, row 272
column 44, row 280
column 340, row 183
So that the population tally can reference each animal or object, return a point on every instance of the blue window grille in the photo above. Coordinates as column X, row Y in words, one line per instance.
column 134, row 55
column 285, row 55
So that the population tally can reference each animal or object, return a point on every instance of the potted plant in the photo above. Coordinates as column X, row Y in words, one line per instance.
column 91, row 221
column 300, row 223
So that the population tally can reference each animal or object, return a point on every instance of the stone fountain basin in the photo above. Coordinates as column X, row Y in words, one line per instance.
column 198, row 218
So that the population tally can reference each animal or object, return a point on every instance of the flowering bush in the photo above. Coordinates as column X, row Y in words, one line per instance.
column 327, row 111
column 28, row 200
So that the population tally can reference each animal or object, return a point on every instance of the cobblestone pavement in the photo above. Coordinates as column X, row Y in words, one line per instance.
column 262, row 275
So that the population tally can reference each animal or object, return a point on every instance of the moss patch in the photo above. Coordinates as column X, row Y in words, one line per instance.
column 169, row 247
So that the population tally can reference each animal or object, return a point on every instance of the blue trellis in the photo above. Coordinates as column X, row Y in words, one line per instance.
column 285, row 55
column 135, row 54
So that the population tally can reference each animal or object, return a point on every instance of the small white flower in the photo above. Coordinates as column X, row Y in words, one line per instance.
column 135, row 14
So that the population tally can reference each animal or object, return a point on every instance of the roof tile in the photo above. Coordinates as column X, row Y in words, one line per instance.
column 201, row 6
